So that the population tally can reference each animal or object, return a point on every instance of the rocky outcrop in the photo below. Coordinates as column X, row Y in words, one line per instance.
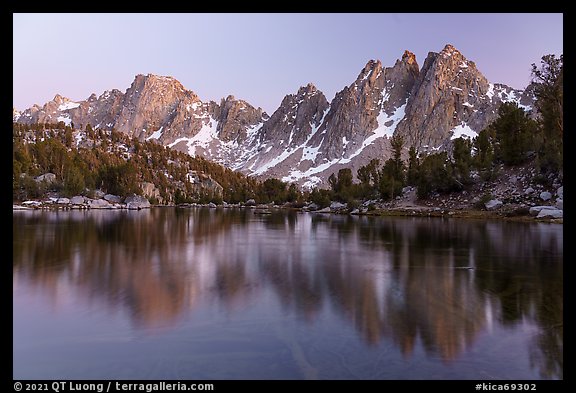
column 452, row 98
column 546, row 212
column 136, row 202
column 296, row 118
column 100, row 112
column 202, row 184
column 285, row 135
column 77, row 200
column 112, row 198
column 348, row 132
column 149, row 190
column 371, row 106
column 148, row 103
column 545, row 195
column 550, row 213
column 235, row 119
column 493, row 204
column 46, row 177
column 99, row 204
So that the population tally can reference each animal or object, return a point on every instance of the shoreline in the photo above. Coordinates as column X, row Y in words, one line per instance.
column 398, row 211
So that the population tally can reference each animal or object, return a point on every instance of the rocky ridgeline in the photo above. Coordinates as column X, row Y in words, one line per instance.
column 307, row 138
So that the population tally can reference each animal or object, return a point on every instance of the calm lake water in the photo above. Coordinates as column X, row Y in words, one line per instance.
column 196, row 294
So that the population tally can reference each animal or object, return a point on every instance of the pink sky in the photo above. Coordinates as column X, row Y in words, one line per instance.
column 260, row 57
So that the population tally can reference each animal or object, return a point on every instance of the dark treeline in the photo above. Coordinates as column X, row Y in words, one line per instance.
column 114, row 163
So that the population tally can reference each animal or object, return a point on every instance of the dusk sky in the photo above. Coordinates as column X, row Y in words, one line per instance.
column 260, row 57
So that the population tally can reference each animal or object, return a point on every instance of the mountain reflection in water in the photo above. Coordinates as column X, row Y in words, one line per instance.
column 435, row 284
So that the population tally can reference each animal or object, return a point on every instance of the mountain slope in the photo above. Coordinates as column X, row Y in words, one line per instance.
column 307, row 138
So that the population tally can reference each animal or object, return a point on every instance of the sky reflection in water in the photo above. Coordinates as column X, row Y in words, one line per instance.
column 226, row 294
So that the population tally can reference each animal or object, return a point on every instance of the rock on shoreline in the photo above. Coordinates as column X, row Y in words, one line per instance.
column 79, row 202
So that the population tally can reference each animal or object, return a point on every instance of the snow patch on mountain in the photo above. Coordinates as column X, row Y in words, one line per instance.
column 156, row 134
column 464, row 131
column 277, row 160
column 65, row 118
column 308, row 152
column 68, row 105
column 386, row 126
column 490, row 92
column 313, row 181
column 387, row 123
column 207, row 134
column 296, row 174
column 311, row 152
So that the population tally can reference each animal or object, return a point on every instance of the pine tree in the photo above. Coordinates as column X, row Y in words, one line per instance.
column 413, row 165
column 435, row 174
column 549, row 92
column 462, row 159
column 369, row 179
column 392, row 174
column 484, row 157
column 514, row 132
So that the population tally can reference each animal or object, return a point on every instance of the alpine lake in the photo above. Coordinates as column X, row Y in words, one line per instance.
column 214, row 294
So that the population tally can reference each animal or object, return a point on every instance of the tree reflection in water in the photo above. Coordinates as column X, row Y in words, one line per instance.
column 438, row 282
